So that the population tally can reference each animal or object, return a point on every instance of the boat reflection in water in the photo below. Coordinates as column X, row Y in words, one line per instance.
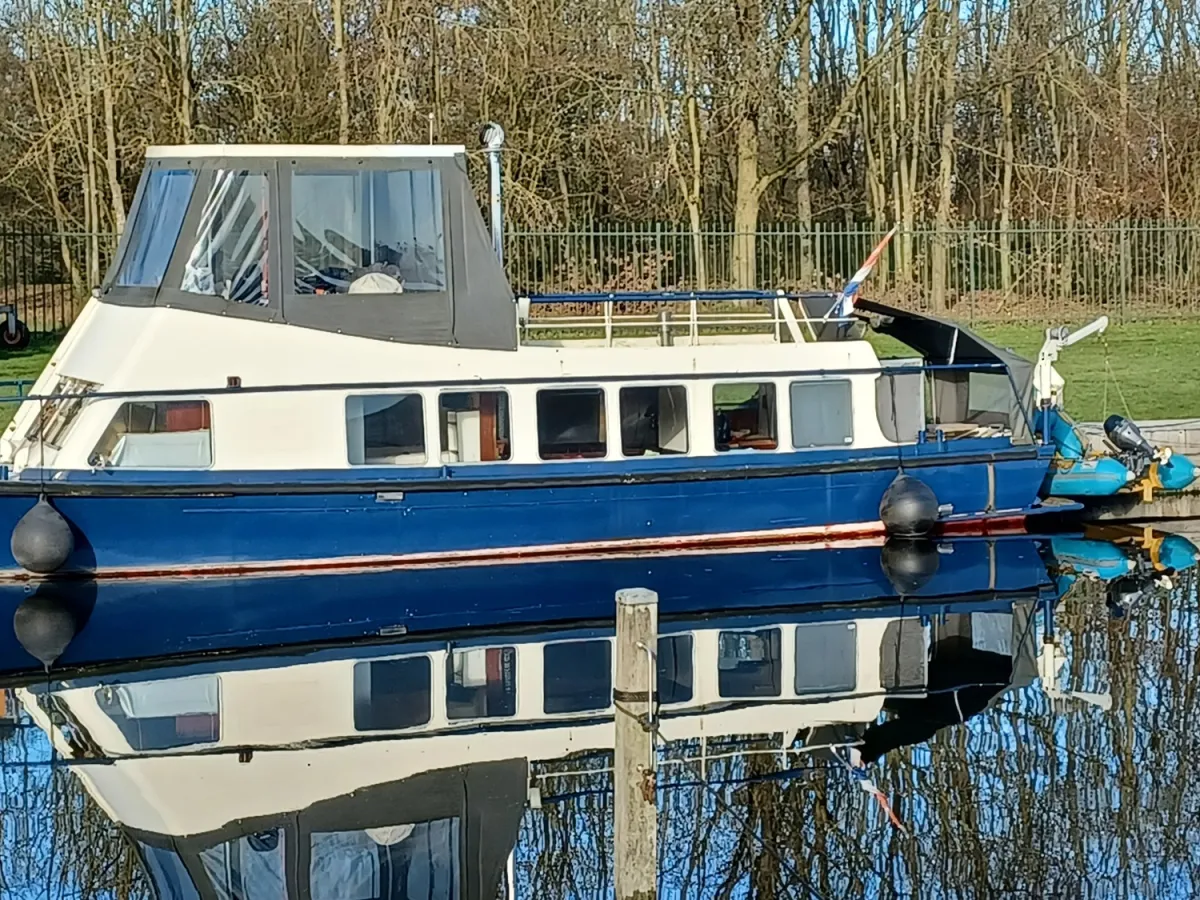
column 406, row 768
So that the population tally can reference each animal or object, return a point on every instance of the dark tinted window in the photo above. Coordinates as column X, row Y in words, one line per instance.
column 748, row 663
column 481, row 682
column 571, row 424
column 577, row 676
column 392, row 693
column 385, row 430
column 675, row 669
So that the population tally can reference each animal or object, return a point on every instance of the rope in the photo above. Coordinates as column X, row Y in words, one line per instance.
column 1112, row 375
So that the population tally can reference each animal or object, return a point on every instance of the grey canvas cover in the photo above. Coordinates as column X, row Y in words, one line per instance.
column 388, row 247
column 963, row 395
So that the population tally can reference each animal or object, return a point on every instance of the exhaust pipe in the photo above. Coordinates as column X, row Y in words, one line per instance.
column 492, row 138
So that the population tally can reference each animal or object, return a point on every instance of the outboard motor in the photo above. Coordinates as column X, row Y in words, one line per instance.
column 1127, row 436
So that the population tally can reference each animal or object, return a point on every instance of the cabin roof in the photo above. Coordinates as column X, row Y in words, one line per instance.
column 318, row 151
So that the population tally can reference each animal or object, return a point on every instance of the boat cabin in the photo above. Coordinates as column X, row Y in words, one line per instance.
column 328, row 308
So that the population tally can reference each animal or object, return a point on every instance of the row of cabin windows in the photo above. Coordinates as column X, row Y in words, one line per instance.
column 572, row 422
column 475, row 426
column 577, row 675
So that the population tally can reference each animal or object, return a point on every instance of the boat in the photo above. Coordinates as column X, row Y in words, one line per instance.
column 406, row 769
column 309, row 358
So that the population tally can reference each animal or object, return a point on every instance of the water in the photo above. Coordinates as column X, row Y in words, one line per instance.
column 414, row 767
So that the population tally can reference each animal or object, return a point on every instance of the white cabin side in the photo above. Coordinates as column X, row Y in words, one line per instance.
column 116, row 348
column 191, row 789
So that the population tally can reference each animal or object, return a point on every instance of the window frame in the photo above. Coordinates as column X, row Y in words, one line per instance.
column 508, row 406
column 540, row 389
column 430, row 673
column 792, row 407
column 682, row 386
column 777, row 418
column 119, row 405
column 516, row 683
column 173, row 280
column 400, row 395
column 366, row 314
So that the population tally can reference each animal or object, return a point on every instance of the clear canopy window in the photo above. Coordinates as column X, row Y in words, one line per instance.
column 227, row 256
column 368, row 232
column 156, row 227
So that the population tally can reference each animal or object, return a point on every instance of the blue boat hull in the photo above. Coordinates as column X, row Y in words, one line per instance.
column 140, row 620
column 132, row 528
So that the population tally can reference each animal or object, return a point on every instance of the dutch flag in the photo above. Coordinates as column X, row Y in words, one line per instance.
column 845, row 304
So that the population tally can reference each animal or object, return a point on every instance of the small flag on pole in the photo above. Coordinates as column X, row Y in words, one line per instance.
column 845, row 305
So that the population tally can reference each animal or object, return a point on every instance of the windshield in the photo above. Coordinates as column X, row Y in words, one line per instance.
column 368, row 232
column 156, row 227
column 387, row 863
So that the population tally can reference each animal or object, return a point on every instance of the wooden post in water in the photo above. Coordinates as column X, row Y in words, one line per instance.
column 635, row 829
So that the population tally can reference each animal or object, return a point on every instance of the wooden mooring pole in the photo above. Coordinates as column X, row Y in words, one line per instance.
column 635, row 829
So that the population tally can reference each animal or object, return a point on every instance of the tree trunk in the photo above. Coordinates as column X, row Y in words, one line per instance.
column 804, row 137
column 343, row 82
column 183, row 49
column 745, row 208
column 940, row 254
column 107, row 76
column 1006, row 178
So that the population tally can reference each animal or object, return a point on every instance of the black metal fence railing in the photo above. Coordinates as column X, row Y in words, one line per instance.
column 1026, row 271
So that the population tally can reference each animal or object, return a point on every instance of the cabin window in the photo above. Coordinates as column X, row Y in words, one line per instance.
column 248, row 868
column 368, row 232
column 386, row 861
column 675, row 669
column 171, row 434
column 228, row 255
column 577, row 676
column 155, row 227
column 474, row 426
column 654, row 420
column 162, row 715
column 481, row 682
column 385, row 429
column 822, row 413
column 392, row 693
column 826, row 657
column 744, row 416
column 749, row 663
column 571, row 424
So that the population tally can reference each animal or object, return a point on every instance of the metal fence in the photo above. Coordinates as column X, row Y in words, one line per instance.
column 1029, row 271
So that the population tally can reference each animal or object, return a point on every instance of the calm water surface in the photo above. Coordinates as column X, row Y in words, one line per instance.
column 1021, row 744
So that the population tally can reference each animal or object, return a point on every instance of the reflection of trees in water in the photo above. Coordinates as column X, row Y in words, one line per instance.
column 54, row 840
column 1030, row 798
column 1025, row 800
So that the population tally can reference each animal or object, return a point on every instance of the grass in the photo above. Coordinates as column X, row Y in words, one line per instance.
column 1155, row 365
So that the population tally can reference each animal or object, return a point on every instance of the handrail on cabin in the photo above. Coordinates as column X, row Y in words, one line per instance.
column 671, row 296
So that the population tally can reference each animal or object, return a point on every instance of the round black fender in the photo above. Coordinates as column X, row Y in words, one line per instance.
column 908, row 508
column 909, row 563
column 42, row 541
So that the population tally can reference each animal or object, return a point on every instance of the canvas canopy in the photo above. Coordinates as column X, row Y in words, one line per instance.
column 999, row 395
column 376, row 241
